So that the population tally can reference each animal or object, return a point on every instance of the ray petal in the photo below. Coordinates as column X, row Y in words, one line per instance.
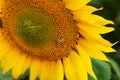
column 74, row 67
column 52, row 70
column 75, row 4
column 86, row 60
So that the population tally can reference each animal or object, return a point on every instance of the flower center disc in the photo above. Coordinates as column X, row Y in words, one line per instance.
column 34, row 28
column 43, row 29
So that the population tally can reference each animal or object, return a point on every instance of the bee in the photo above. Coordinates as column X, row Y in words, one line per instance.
column 61, row 39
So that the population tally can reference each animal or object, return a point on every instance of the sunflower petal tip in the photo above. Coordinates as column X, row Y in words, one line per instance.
column 94, row 76
column 111, row 29
column 111, row 22
column 107, row 60
column 100, row 8
column 114, row 50
column 115, row 43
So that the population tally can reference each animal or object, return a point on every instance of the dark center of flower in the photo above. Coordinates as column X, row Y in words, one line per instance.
column 34, row 28
column 41, row 29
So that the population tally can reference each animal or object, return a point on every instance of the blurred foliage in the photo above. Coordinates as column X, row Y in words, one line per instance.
column 6, row 76
column 115, row 70
column 101, row 69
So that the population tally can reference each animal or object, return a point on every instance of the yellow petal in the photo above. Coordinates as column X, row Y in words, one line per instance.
column 75, row 4
column 21, row 66
column 26, row 64
column 86, row 60
column 52, row 70
column 101, row 47
column 91, row 36
column 93, row 19
column 90, row 30
column 4, row 49
column 96, row 29
column 35, row 69
column 74, row 67
column 9, row 61
column 85, row 14
column 99, row 20
column 85, row 11
column 70, row 72
column 93, row 51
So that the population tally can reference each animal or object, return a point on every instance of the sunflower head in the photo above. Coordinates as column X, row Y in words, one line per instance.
column 40, row 30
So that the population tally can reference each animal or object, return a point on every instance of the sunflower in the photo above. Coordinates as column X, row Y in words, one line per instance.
column 51, row 38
